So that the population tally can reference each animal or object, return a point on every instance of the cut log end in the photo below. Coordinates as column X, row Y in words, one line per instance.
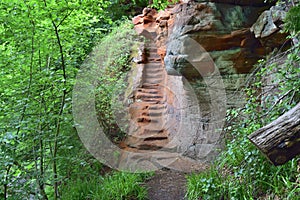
column 279, row 141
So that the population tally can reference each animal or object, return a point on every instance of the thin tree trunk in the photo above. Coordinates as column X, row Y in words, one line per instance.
column 5, row 185
column 40, row 179
column 63, row 99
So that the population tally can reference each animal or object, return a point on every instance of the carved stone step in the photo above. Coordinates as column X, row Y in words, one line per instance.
column 150, row 133
column 159, row 112
column 157, row 107
column 151, row 49
column 152, row 66
column 154, row 75
column 151, row 99
column 154, row 59
column 154, row 70
column 153, row 144
column 153, row 114
column 153, row 80
column 148, row 95
column 146, row 119
column 150, row 45
column 151, row 85
column 160, row 77
column 149, row 145
column 148, row 91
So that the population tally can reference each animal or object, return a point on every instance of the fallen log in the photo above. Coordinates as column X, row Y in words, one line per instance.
column 279, row 141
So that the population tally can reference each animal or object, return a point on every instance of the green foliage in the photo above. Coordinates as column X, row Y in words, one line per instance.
column 35, row 105
column 42, row 46
column 242, row 172
column 162, row 4
column 119, row 8
column 292, row 20
column 119, row 186
column 81, row 188
column 114, row 64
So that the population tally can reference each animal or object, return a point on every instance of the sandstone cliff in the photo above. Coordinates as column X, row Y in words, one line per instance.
column 195, row 57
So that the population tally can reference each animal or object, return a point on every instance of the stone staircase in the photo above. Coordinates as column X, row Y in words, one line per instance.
column 161, row 125
column 148, row 111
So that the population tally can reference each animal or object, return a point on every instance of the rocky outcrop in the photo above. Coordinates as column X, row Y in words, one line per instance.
column 269, row 27
column 222, row 30
column 166, row 123
column 225, row 31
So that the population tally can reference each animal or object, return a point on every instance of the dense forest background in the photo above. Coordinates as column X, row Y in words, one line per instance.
column 43, row 44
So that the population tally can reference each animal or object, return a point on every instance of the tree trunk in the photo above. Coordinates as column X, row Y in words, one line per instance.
column 279, row 141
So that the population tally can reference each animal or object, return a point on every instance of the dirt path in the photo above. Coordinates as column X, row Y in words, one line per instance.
column 167, row 185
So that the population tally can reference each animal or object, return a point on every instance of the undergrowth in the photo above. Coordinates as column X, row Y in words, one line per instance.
column 241, row 172
column 117, row 186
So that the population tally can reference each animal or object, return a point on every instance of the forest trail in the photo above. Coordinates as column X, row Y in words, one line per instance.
column 149, row 129
column 155, row 118
column 167, row 185
column 150, row 132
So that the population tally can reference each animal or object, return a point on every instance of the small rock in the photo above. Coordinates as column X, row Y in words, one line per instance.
column 138, row 20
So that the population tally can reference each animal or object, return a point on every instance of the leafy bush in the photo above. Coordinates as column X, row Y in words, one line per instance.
column 113, row 56
column 42, row 45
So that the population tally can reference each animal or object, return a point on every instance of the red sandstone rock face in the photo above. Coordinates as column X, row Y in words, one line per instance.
column 148, row 125
column 155, row 26
column 206, row 24
column 220, row 29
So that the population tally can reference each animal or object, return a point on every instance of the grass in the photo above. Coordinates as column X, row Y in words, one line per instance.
column 252, row 178
column 117, row 186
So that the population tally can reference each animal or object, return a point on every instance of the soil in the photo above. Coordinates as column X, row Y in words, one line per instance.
column 167, row 185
